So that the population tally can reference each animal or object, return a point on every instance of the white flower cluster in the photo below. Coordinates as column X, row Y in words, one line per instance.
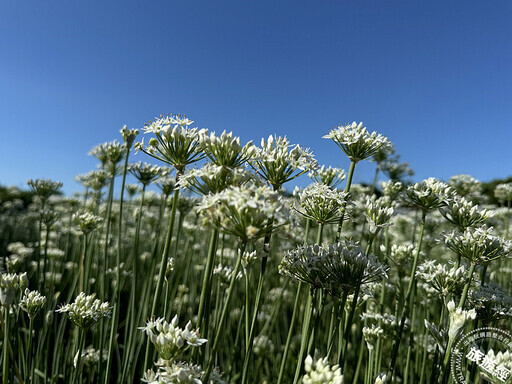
column 331, row 177
column 129, row 135
column 226, row 150
column 249, row 212
column 9, row 284
column 478, row 245
column 357, row 143
column 109, row 154
column 85, row 310
column 145, row 172
column 491, row 302
column 175, row 143
column 277, row 161
column 440, row 278
column 464, row 185
column 377, row 214
column 169, row 339
column 463, row 213
column 321, row 203
column 336, row 268
column 320, row 372
column 212, row 178
column 503, row 192
column 32, row 302
column 86, row 221
column 427, row 195
column 225, row 273
column 91, row 356
column 458, row 318
column 371, row 335
column 180, row 373
column 44, row 188
column 391, row 190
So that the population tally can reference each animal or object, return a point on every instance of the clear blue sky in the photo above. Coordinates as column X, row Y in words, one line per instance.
column 434, row 76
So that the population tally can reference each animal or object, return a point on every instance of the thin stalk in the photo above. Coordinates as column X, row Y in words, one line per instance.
column 163, row 263
column 220, row 328
column 5, row 370
column 294, row 315
column 348, row 326
column 305, row 333
column 79, row 359
column 205, row 289
column 405, row 310
column 347, row 189
column 116, row 296
column 28, row 358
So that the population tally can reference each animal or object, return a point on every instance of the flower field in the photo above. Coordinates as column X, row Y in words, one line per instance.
column 207, row 271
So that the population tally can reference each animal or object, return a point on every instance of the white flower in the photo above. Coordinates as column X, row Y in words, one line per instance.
column 225, row 150
column 32, row 302
column 277, row 161
column 321, row 203
column 9, row 284
column 356, row 142
column 458, row 318
column 249, row 212
column 331, row 177
column 320, row 372
column 85, row 310
column 169, row 339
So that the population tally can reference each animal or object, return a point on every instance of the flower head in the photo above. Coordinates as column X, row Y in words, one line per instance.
column 320, row 372
column 377, row 214
column 277, row 161
column 86, row 221
column 478, row 245
column 336, row 268
column 356, row 142
column 331, row 177
column 427, row 195
column 109, row 154
column 248, row 212
column 458, row 318
column 169, row 339
column 226, row 150
column 85, row 310
column 321, row 203
column 32, row 302
column 145, row 172
column 175, row 143
column 129, row 135
column 9, row 284
column 44, row 188
column 463, row 213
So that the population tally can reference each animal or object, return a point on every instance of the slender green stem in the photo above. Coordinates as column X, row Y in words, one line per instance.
column 206, row 287
column 347, row 189
column 220, row 327
column 348, row 326
column 405, row 310
column 116, row 295
column 305, row 333
column 28, row 358
column 163, row 263
column 5, row 370
column 79, row 355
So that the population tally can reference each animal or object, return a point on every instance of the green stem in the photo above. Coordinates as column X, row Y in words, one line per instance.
column 305, row 333
column 220, row 328
column 28, row 358
column 5, row 370
column 347, row 189
column 116, row 295
column 405, row 310
column 163, row 263
column 206, row 287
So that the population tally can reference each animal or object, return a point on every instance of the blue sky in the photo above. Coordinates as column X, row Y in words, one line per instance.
column 433, row 76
